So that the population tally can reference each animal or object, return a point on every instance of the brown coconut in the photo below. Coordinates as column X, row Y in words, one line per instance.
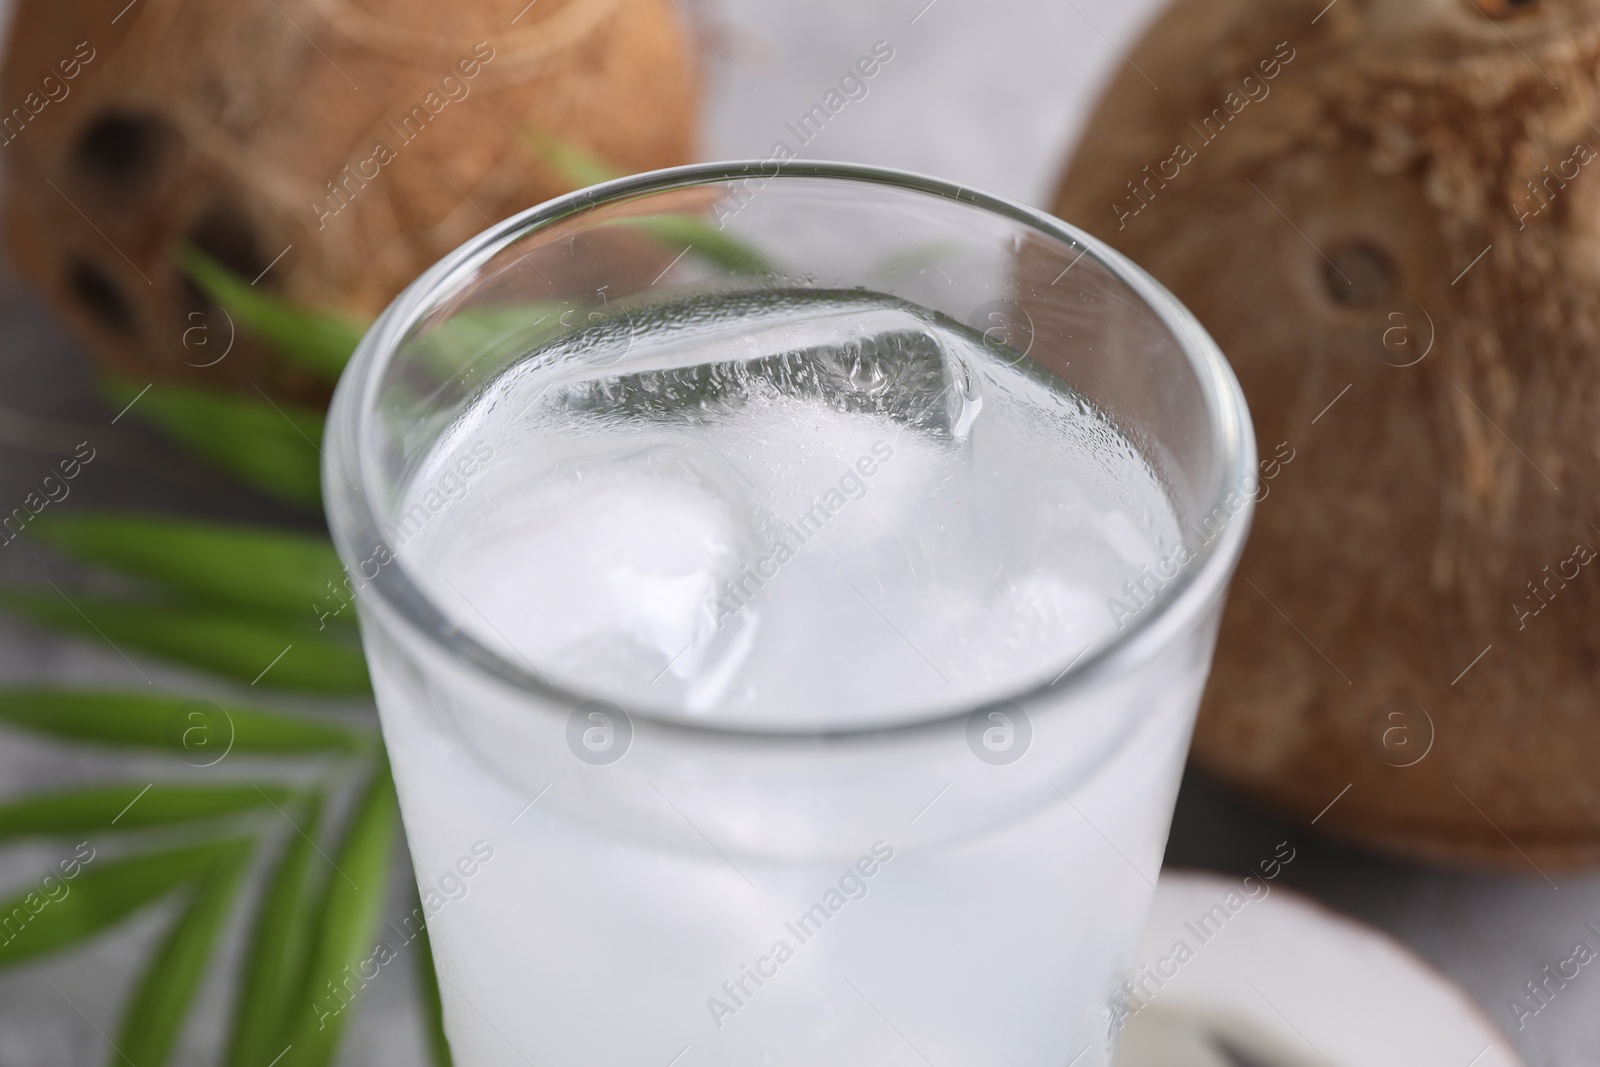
column 1395, row 238
column 358, row 139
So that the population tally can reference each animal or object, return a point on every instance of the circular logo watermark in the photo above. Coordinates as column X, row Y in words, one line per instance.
column 203, row 346
column 1400, row 334
column 599, row 733
column 1401, row 733
column 1006, row 328
column 200, row 733
column 999, row 733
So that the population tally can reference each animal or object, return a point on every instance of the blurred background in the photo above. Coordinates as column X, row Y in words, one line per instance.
column 993, row 95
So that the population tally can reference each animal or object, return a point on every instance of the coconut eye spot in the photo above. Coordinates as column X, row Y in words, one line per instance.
column 1358, row 274
column 120, row 152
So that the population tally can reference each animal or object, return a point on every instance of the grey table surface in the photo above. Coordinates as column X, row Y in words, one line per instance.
column 990, row 95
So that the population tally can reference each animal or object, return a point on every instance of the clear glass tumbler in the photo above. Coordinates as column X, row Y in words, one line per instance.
column 609, row 882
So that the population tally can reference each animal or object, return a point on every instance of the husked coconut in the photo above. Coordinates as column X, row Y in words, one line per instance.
column 1388, row 215
column 344, row 144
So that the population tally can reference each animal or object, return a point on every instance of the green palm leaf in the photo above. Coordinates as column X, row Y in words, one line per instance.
column 677, row 230
column 159, row 721
column 704, row 240
column 275, row 962
column 154, row 1016
column 96, row 896
column 346, row 923
column 246, row 647
column 577, row 165
column 268, row 444
column 320, row 341
column 225, row 563
column 457, row 347
column 130, row 806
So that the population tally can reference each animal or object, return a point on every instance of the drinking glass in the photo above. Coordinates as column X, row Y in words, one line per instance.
column 961, row 884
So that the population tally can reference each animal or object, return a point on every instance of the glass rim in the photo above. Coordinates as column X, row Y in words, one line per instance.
column 352, row 518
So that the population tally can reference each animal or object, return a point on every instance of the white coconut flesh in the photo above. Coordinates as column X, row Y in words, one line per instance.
column 1272, row 979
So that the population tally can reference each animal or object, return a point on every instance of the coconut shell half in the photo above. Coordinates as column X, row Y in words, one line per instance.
column 330, row 149
column 1243, row 973
column 1388, row 215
